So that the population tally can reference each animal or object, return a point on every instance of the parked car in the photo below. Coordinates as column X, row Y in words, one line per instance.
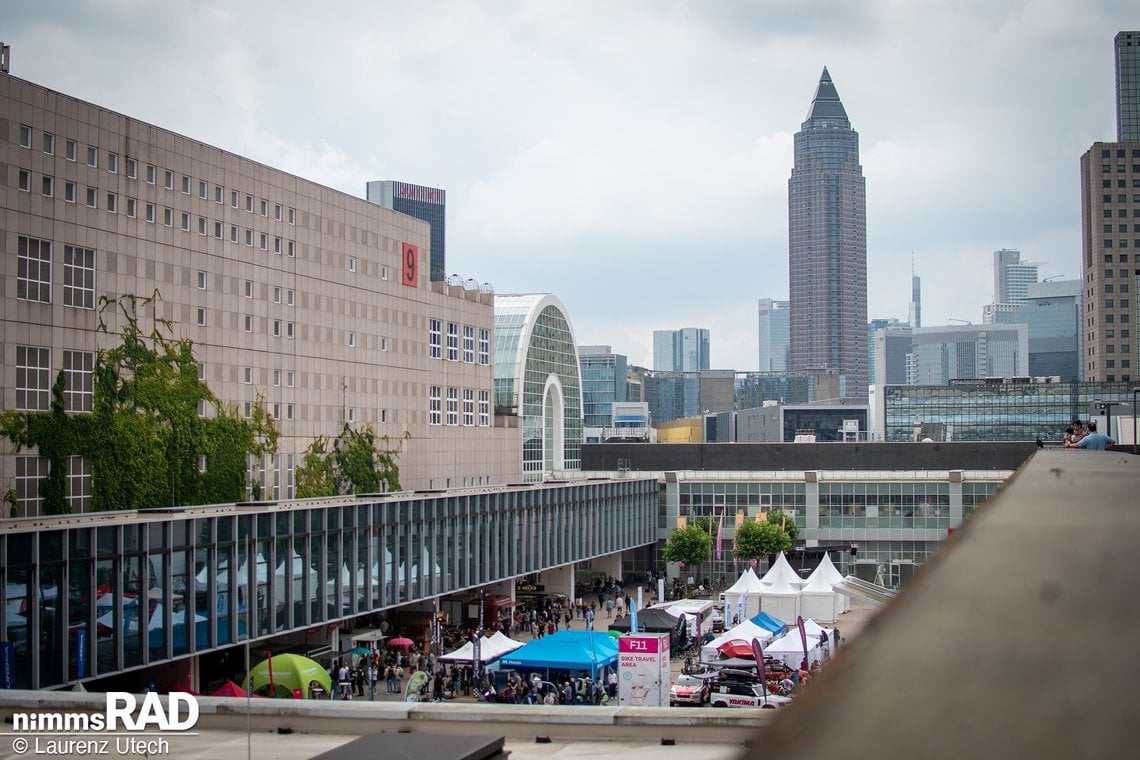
column 740, row 693
column 689, row 690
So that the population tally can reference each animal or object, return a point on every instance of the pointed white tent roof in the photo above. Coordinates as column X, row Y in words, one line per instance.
column 827, row 569
column 781, row 568
column 781, row 587
column 818, row 584
column 503, row 643
column 745, row 584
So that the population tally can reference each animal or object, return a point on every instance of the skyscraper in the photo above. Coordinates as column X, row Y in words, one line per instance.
column 827, row 245
column 1012, row 276
column 1127, row 46
column 1109, row 205
column 428, row 204
column 773, row 324
column 914, row 317
column 684, row 350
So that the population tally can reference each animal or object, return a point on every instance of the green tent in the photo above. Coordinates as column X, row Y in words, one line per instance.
column 290, row 673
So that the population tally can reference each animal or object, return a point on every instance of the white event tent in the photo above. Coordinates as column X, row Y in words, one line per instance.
column 742, row 599
column 490, row 648
column 832, row 576
column 781, row 600
column 789, row 648
column 819, row 600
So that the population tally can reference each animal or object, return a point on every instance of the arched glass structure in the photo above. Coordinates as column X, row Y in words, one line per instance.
column 537, row 379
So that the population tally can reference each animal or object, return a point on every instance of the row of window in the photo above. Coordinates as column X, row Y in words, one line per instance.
column 34, row 379
column 71, row 153
column 436, row 409
column 34, row 275
column 1120, row 183
column 237, row 234
column 1120, row 153
column 436, row 345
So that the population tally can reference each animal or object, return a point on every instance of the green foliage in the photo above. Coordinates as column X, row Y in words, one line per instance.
column 690, row 545
column 316, row 472
column 353, row 464
column 144, row 437
column 786, row 523
column 756, row 540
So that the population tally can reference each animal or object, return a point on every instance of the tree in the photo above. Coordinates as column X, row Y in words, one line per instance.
column 145, row 437
column 786, row 522
column 756, row 540
column 352, row 465
column 690, row 545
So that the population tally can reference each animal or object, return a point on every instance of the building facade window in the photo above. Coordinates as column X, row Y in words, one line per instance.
column 33, row 378
column 30, row 470
column 452, row 406
column 33, row 269
column 435, row 405
column 79, row 484
column 468, row 344
column 78, row 277
column 484, row 346
column 484, row 408
column 79, row 381
column 452, row 341
column 468, row 406
column 435, row 339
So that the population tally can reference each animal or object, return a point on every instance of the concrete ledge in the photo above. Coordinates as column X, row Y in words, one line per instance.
column 704, row 725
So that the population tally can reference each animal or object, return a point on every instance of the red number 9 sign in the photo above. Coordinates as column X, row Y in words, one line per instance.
column 411, row 264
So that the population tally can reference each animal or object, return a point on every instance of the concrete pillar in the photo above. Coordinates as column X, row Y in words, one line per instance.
column 955, row 477
column 811, row 505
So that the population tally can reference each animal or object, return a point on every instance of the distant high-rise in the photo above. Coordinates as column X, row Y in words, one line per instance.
column 1110, row 341
column 773, row 324
column 428, row 204
column 604, row 382
column 873, row 327
column 684, row 350
column 914, row 317
column 1128, row 87
column 1012, row 276
column 827, row 245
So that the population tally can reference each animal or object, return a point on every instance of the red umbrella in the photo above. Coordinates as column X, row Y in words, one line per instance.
column 401, row 642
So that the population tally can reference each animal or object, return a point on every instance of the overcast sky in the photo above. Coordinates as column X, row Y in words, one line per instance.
column 632, row 157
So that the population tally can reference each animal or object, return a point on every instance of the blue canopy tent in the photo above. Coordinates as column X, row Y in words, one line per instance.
column 587, row 651
column 775, row 625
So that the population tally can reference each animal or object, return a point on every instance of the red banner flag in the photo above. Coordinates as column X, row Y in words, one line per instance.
column 758, row 653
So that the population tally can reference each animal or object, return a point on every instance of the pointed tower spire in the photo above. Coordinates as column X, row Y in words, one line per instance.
column 826, row 103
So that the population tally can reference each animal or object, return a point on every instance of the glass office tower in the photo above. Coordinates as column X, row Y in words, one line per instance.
column 827, row 244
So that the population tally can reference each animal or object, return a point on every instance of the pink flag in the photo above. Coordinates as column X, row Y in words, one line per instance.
column 719, row 536
column 803, row 638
